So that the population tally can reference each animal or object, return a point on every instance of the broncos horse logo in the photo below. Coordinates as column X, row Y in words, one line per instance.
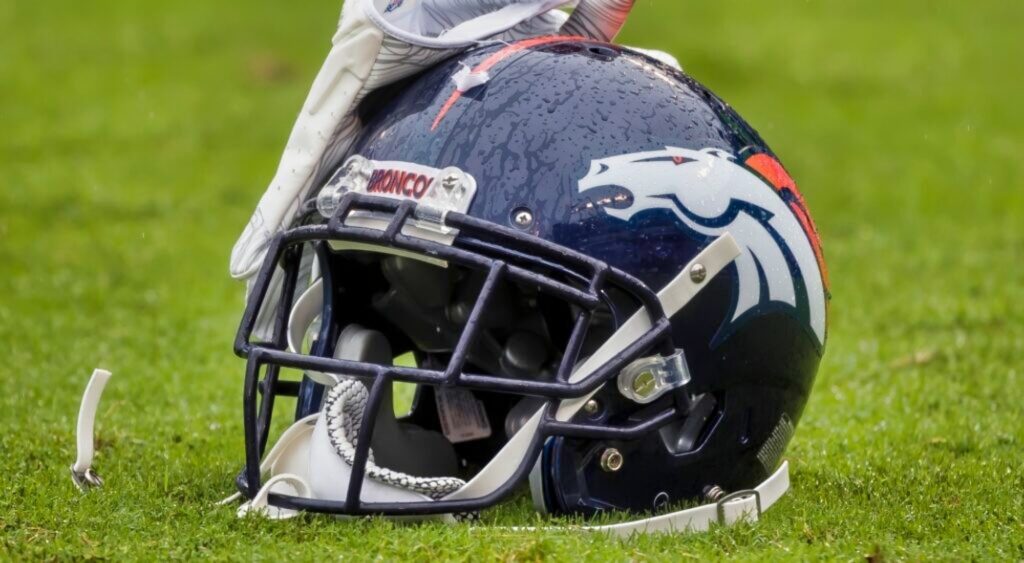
column 712, row 193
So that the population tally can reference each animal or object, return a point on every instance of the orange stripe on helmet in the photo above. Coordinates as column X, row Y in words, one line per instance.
column 496, row 58
column 772, row 171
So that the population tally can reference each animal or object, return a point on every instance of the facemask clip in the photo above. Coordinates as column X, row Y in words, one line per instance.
column 646, row 379
column 352, row 177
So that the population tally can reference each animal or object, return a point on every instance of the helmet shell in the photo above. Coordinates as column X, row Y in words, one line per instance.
column 549, row 112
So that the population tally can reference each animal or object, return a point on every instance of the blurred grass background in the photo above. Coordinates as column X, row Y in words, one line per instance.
column 136, row 137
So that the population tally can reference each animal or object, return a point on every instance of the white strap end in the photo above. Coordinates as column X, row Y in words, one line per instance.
column 81, row 471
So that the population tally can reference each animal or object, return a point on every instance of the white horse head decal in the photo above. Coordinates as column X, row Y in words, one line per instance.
column 712, row 194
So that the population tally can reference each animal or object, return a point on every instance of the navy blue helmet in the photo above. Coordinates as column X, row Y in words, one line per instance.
column 582, row 270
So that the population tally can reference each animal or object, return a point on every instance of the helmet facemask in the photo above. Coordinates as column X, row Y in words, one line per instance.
column 498, row 312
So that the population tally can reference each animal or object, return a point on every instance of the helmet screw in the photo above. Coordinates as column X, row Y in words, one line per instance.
column 591, row 407
column 713, row 493
column 451, row 178
column 644, row 384
column 611, row 460
column 522, row 217
column 698, row 272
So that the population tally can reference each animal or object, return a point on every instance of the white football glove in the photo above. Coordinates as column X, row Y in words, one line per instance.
column 379, row 42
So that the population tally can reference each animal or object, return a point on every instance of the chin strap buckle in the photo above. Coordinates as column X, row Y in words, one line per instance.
column 85, row 480
column 738, row 508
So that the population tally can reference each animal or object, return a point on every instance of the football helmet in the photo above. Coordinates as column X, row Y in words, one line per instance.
column 592, row 273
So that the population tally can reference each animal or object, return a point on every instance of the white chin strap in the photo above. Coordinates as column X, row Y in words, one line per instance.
column 81, row 471
column 313, row 458
column 745, row 505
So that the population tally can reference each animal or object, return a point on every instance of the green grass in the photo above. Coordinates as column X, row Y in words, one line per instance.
column 136, row 136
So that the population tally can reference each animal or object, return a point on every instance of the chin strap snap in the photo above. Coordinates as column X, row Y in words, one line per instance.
column 81, row 471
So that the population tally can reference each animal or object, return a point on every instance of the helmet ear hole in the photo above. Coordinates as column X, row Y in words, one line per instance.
column 687, row 434
column 602, row 52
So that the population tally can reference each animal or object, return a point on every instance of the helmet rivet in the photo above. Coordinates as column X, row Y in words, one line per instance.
column 698, row 272
column 591, row 407
column 522, row 217
column 451, row 178
column 611, row 460
column 644, row 384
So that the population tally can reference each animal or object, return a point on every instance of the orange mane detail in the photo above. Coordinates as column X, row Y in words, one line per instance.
column 773, row 172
